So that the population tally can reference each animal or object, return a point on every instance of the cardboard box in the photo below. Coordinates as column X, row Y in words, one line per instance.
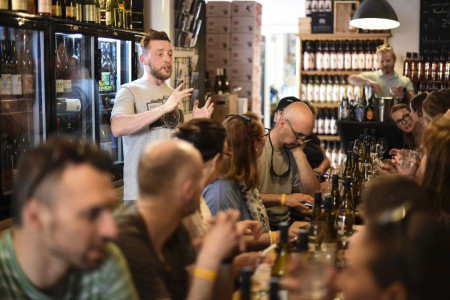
column 246, row 9
column 220, row 9
column 244, row 72
column 219, row 41
column 217, row 57
column 304, row 25
column 223, row 105
column 245, row 25
column 218, row 25
column 245, row 40
column 245, row 56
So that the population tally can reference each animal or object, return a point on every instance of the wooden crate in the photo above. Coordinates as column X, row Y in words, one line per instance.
column 342, row 12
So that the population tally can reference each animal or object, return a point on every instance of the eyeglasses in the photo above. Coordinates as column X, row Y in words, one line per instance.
column 403, row 120
column 266, row 132
column 298, row 135
column 272, row 171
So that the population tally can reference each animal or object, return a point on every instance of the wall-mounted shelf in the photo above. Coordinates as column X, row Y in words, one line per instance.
column 329, row 138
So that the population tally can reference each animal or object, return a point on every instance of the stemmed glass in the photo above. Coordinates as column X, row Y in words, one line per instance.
column 381, row 147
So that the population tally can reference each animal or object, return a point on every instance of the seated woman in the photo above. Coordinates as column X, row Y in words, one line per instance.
column 412, row 130
column 436, row 103
column 237, row 187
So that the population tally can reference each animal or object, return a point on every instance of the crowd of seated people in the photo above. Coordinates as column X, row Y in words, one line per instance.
column 208, row 199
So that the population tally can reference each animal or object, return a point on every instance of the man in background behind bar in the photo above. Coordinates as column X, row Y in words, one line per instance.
column 385, row 81
column 59, row 245
column 146, row 109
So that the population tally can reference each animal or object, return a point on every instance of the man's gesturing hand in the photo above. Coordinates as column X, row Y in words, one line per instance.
column 204, row 112
column 175, row 98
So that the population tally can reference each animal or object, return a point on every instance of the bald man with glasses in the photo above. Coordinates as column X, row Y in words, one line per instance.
column 287, row 181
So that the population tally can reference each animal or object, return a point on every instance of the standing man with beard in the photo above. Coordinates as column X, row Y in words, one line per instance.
column 146, row 109
column 385, row 81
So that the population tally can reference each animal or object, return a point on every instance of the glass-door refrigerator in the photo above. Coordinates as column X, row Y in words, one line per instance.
column 22, row 95
column 73, row 85
column 115, row 69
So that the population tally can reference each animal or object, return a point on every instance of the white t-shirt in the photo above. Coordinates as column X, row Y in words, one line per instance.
column 134, row 98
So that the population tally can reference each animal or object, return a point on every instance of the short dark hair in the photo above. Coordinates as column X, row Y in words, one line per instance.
column 437, row 103
column 46, row 163
column 389, row 191
column 153, row 35
column 417, row 101
column 206, row 135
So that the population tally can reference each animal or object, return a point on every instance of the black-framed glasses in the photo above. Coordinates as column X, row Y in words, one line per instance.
column 403, row 120
column 272, row 171
column 298, row 135
column 266, row 132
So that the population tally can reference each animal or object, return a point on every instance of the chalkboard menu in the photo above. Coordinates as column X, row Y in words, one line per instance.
column 435, row 25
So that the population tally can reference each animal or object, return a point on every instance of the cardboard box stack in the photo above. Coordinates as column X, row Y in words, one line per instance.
column 233, row 42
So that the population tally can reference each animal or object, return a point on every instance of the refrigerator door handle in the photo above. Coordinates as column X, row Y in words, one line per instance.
column 98, row 64
column 135, row 65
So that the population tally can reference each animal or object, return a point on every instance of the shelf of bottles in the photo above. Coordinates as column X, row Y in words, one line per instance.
column 115, row 71
column 325, row 124
column 21, row 122
column 428, row 71
column 328, row 90
column 326, row 60
column 114, row 13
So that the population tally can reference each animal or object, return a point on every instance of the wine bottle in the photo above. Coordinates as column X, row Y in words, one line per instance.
column 225, row 83
column 6, row 72
column 70, row 8
column 315, row 225
column 348, row 171
column 274, row 290
column 121, row 13
column 218, row 89
column 336, row 197
column 16, row 76
column 356, row 180
column 303, row 245
column 128, row 14
column 57, row 8
column 45, row 7
column 246, row 283
column 345, row 218
column 97, row 11
column 112, row 13
column 28, row 69
column 329, row 239
column 59, row 83
column 79, row 10
column 107, row 70
column 281, row 262
column 89, row 11
column 19, row 5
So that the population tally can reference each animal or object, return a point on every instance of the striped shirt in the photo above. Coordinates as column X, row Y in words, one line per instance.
column 112, row 280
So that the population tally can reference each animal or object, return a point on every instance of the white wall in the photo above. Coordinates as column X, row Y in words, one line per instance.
column 406, row 37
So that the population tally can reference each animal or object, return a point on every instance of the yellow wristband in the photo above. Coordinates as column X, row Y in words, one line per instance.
column 273, row 235
column 283, row 199
column 205, row 274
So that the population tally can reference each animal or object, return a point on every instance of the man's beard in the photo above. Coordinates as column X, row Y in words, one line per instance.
column 158, row 74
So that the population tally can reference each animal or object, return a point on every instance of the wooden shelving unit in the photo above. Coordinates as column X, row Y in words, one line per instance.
column 334, row 37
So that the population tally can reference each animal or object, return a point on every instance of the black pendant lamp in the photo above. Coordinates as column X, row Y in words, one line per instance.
column 375, row 15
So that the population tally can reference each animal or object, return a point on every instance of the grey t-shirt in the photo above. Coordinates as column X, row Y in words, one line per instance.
column 272, row 184
column 134, row 98
column 386, row 83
